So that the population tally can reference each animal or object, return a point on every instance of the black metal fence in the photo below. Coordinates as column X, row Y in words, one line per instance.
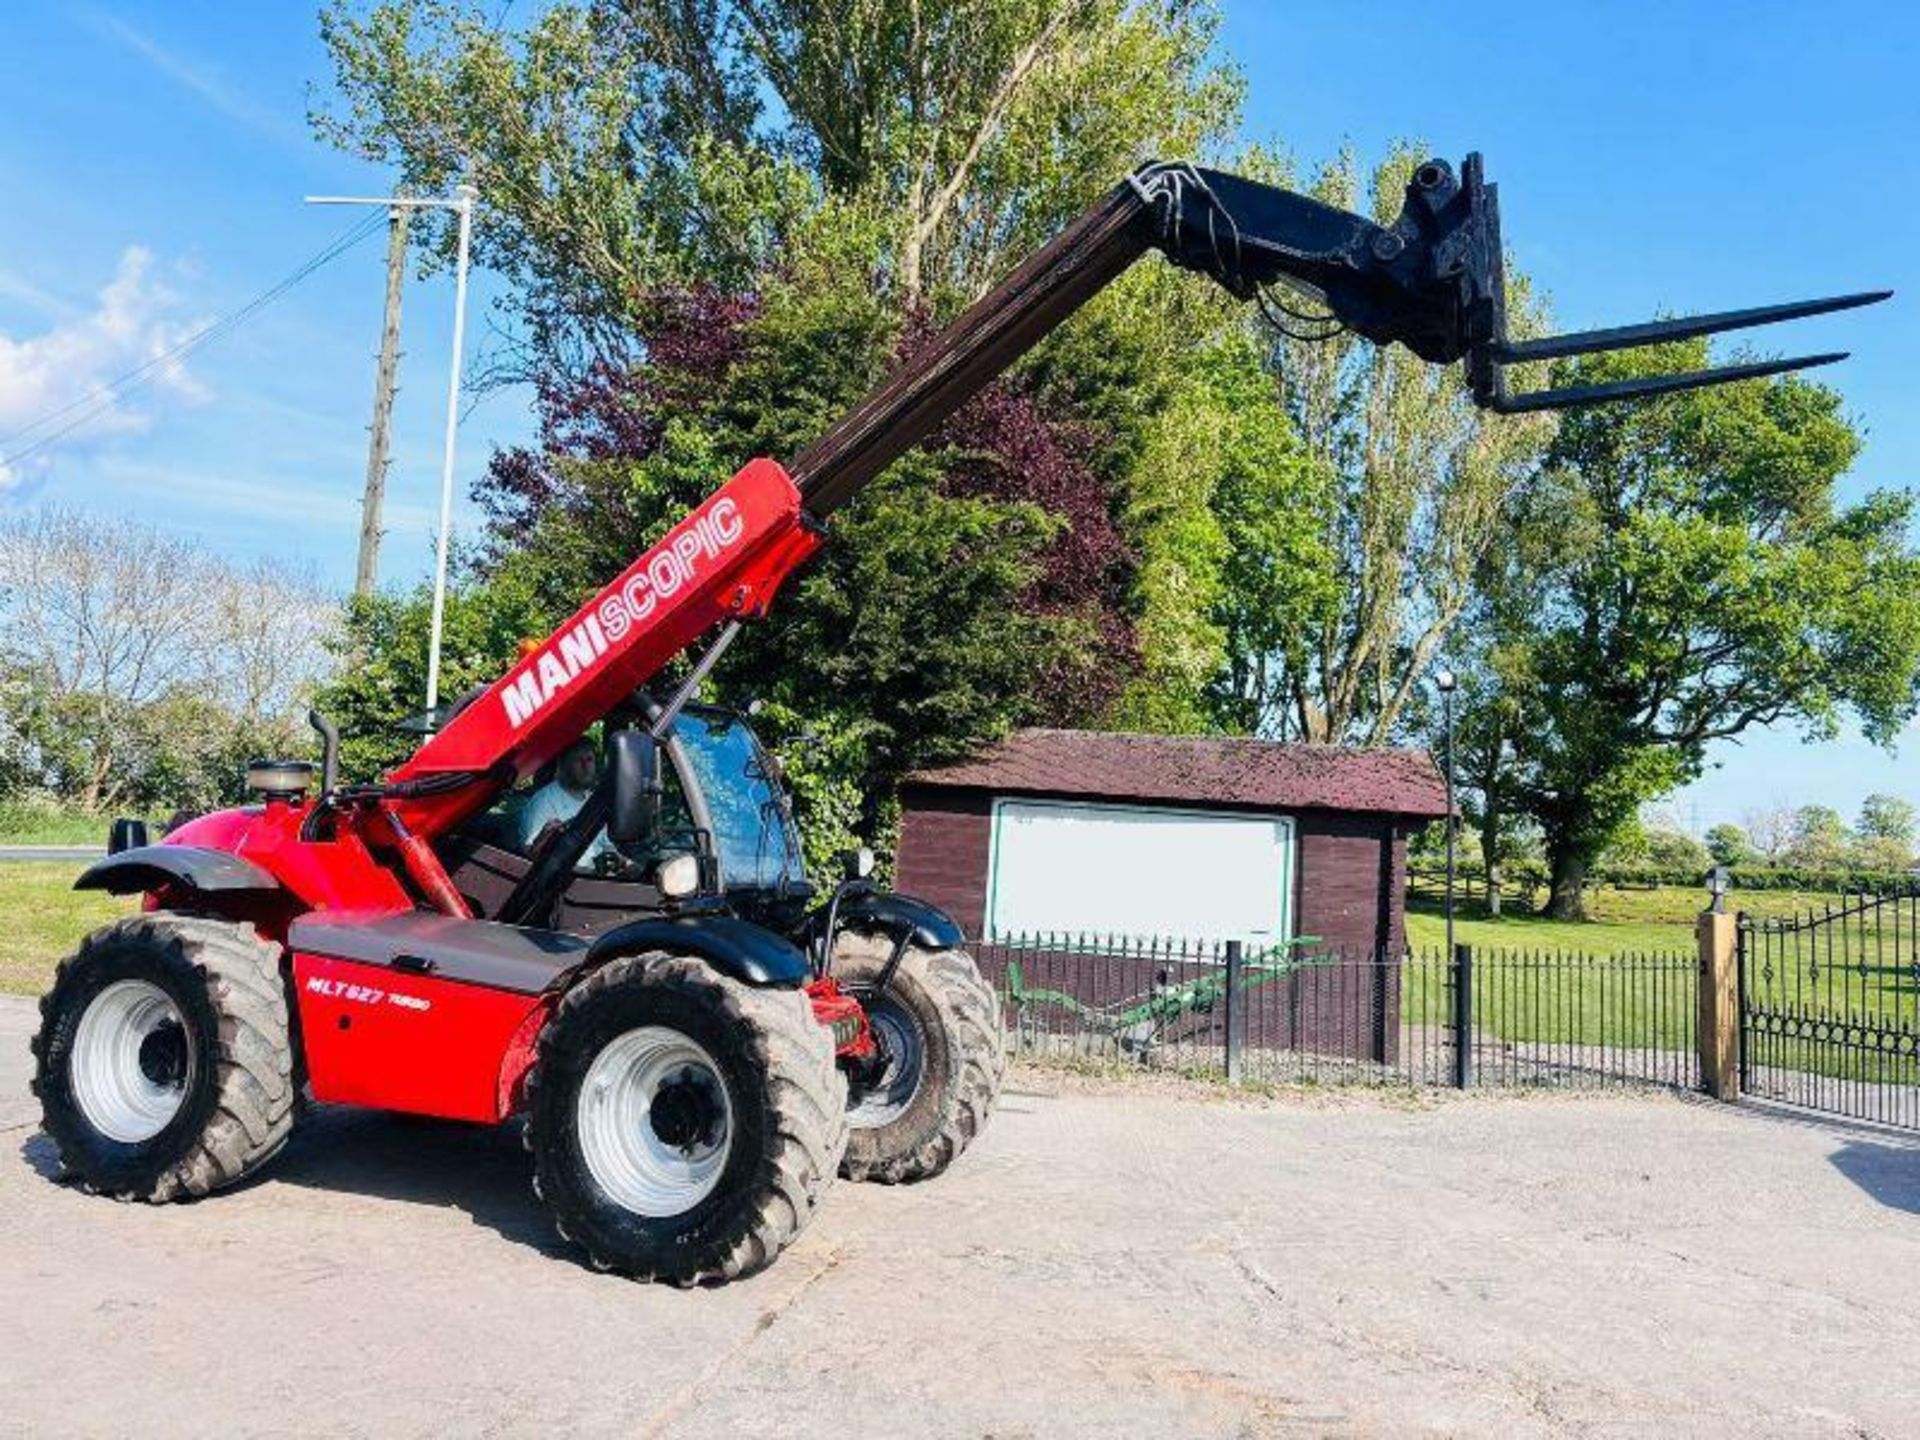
column 1830, row 1008
column 1477, row 1017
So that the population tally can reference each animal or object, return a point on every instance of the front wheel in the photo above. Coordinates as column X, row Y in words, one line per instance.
column 684, row 1126
column 164, row 1062
column 942, row 1056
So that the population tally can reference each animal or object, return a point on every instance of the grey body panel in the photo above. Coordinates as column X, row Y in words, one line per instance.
column 477, row 952
column 749, row 953
column 930, row 927
column 145, row 866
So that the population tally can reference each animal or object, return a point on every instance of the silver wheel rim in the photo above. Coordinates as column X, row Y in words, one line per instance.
column 640, row 1143
column 903, row 1041
column 132, row 1057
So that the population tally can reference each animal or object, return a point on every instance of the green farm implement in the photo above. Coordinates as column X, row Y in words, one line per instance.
column 1139, row 1024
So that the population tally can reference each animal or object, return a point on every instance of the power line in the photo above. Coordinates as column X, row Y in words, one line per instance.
column 104, row 396
column 345, row 241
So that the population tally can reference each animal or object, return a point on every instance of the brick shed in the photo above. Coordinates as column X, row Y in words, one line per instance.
column 1053, row 836
column 1199, row 837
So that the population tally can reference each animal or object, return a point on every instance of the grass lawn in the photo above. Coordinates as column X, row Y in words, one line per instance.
column 42, row 918
column 1625, row 999
column 1619, row 986
column 1623, row 921
column 49, row 825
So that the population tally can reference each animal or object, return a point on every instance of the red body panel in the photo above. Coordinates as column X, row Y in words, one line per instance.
column 396, row 1041
column 844, row 1016
column 336, row 874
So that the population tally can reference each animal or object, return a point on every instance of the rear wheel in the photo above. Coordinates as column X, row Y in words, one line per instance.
column 684, row 1126
column 942, row 1057
column 164, row 1062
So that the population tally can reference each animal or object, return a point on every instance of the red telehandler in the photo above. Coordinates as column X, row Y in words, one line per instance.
column 698, row 1041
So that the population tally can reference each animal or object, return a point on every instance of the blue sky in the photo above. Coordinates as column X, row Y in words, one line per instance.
column 1686, row 156
column 1697, row 156
column 178, row 135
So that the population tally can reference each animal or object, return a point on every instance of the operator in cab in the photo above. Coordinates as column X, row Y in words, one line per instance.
column 560, row 799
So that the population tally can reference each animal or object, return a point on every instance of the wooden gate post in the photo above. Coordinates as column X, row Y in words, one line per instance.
column 1719, row 1019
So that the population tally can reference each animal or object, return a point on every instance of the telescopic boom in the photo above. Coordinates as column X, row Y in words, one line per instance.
column 1432, row 281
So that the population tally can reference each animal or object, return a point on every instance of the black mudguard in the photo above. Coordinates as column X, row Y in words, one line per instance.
column 884, row 913
column 747, row 952
column 147, row 867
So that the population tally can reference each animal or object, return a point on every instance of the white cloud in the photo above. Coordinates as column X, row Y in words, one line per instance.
column 52, row 380
column 22, row 292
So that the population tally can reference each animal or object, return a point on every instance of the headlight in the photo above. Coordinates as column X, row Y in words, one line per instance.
column 679, row 876
column 287, row 780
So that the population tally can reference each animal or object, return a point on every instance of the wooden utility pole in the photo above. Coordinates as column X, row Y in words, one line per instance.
column 366, row 573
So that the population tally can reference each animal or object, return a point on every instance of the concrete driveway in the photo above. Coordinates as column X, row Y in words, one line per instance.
column 1116, row 1263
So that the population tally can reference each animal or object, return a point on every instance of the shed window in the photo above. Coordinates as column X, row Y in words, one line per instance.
column 1136, row 872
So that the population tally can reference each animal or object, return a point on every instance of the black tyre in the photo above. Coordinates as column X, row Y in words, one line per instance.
column 684, row 1126
column 164, row 1064
column 943, row 1056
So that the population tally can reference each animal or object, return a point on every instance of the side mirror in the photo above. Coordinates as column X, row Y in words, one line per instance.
column 859, row 863
column 634, row 760
column 127, row 835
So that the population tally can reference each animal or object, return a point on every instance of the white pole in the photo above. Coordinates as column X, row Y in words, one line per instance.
column 467, row 194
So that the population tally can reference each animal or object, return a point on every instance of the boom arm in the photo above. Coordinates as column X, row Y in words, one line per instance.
column 1432, row 281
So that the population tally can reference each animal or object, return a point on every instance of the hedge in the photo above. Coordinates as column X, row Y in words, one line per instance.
column 1527, row 875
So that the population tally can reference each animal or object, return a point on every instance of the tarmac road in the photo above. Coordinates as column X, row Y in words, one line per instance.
column 1140, row 1262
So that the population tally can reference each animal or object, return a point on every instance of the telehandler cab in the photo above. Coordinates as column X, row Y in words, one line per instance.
column 697, row 1039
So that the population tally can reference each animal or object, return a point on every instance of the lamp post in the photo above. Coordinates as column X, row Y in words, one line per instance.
column 1446, row 681
column 461, row 203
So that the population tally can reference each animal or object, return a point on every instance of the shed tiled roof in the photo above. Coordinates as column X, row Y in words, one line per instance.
column 1201, row 770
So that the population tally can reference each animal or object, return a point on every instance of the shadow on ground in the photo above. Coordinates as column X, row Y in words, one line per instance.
column 41, row 1156
column 1889, row 1173
column 482, row 1170
column 1883, row 1162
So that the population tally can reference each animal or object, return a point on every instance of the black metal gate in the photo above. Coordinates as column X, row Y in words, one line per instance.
column 1830, row 1008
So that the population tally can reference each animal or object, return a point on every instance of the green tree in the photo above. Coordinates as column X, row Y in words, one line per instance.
column 601, row 180
column 1710, row 582
column 1485, row 729
column 1233, row 563
column 1493, row 660
column 978, row 125
column 1729, row 845
column 1883, row 834
column 1417, row 481
column 1887, row 817
column 1668, row 849
column 1879, row 852
column 1821, row 839
column 625, row 146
